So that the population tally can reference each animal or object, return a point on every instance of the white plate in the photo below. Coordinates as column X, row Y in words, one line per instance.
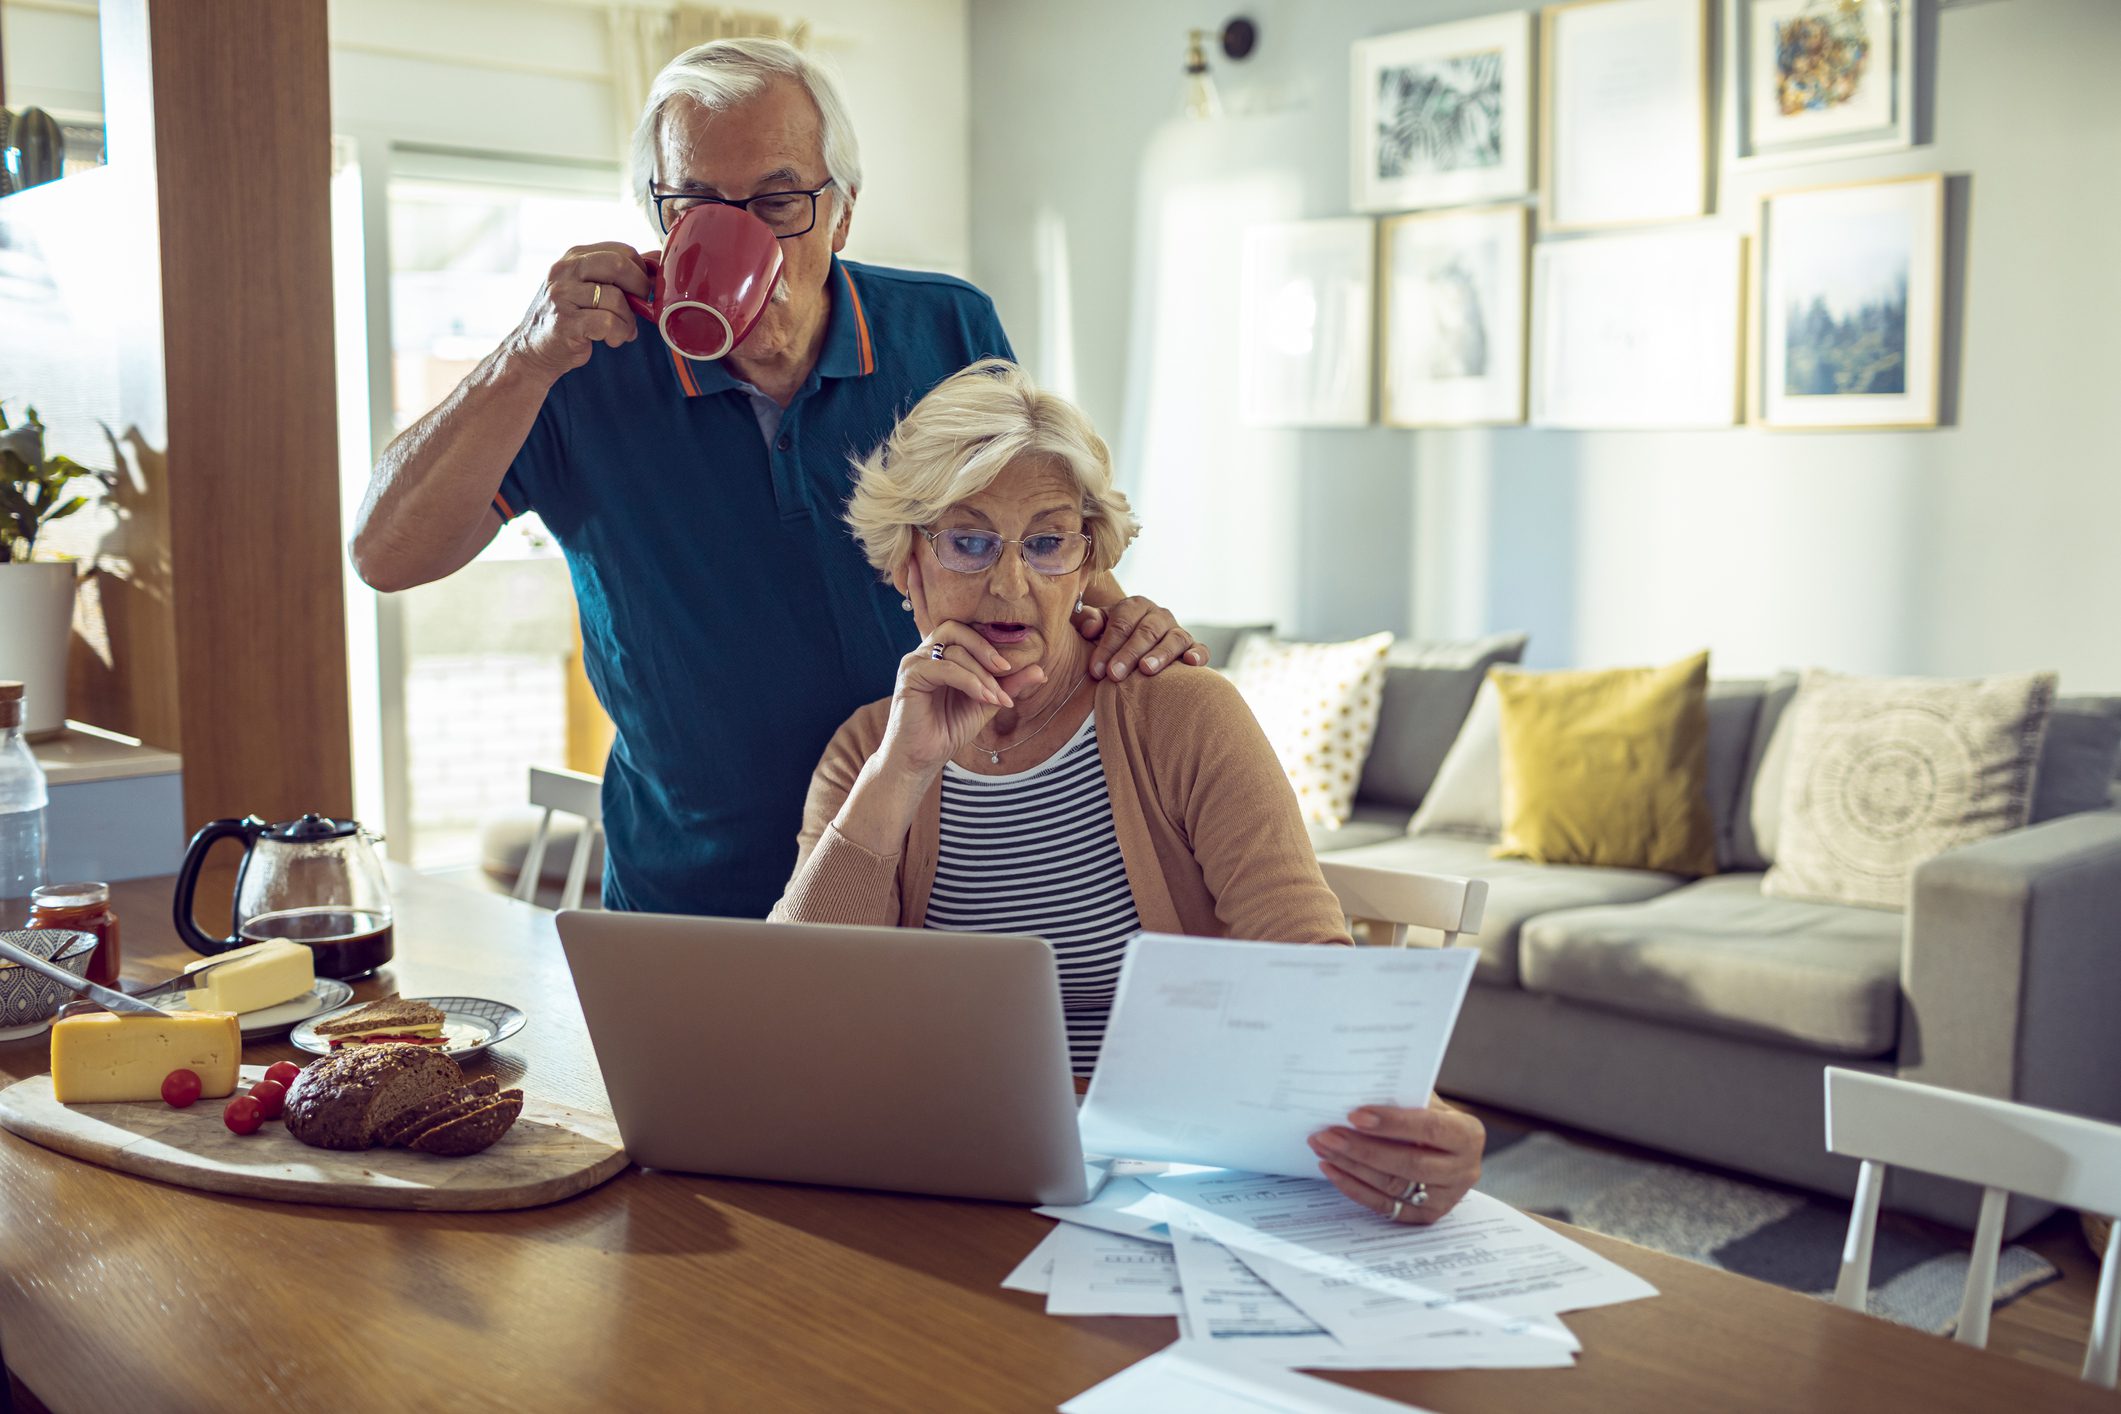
column 469, row 1025
column 327, row 995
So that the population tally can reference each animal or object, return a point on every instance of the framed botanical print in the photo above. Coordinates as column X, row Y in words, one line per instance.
column 1454, row 316
column 1625, row 123
column 1442, row 116
column 1305, row 324
column 1638, row 331
column 1813, row 79
column 1851, row 306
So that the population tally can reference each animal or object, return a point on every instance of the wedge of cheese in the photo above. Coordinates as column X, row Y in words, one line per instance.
column 104, row 1056
column 253, row 978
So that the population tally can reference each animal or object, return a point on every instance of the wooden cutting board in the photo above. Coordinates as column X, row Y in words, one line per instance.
column 550, row 1153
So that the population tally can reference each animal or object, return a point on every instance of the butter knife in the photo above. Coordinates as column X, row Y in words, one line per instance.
column 103, row 996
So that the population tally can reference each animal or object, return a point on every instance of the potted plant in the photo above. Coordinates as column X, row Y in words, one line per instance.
column 36, row 596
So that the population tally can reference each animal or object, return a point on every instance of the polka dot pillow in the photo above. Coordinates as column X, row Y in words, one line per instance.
column 1318, row 704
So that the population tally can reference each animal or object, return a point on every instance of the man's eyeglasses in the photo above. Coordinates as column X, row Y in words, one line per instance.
column 789, row 213
column 976, row 551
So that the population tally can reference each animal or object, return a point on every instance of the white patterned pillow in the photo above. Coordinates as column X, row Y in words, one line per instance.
column 1318, row 704
column 1884, row 773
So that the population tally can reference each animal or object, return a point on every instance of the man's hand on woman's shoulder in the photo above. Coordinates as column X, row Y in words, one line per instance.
column 1136, row 634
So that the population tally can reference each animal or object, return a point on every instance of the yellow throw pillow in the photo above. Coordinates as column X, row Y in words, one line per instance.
column 1608, row 768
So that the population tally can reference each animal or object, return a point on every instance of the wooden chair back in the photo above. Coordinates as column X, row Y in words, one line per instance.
column 576, row 793
column 1399, row 899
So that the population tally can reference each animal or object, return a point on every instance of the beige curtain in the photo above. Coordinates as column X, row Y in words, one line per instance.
column 643, row 40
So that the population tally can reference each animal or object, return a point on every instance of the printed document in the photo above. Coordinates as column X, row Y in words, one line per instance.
column 1035, row 1273
column 1231, row 1054
column 1185, row 1379
column 1123, row 1205
column 1103, row 1274
column 1370, row 1281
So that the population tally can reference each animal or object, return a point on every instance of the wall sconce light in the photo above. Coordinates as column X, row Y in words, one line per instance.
column 1239, row 37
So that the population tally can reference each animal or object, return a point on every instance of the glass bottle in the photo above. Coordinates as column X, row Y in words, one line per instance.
column 22, row 801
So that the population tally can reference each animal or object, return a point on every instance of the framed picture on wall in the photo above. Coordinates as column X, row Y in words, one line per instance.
column 1638, row 331
column 1811, row 81
column 1851, row 304
column 1454, row 314
column 1442, row 116
column 1624, row 137
column 1304, row 323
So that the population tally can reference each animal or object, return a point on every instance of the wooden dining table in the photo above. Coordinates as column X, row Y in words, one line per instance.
column 672, row 1291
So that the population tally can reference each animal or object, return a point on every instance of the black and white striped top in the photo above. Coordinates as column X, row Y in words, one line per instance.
column 1036, row 853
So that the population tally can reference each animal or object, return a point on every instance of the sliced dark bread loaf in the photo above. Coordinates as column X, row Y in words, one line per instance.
column 339, row 1101
column 421, row 1115
column 453, row 1108
column 470, row 1133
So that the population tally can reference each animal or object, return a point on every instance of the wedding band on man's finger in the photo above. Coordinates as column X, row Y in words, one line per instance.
column 596, row 296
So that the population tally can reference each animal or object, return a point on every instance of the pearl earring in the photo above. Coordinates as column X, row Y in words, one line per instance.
column 906, row 604
column 1078, row 603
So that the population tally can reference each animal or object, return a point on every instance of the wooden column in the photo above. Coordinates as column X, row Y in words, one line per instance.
column 182, row 299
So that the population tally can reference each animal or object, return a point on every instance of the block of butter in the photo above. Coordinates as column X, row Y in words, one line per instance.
column 254, row 977
column 104, row 1056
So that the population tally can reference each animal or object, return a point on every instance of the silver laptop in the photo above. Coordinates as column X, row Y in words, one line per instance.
column 866, row 1057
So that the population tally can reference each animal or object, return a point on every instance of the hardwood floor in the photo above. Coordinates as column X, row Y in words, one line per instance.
column 2047, row 1326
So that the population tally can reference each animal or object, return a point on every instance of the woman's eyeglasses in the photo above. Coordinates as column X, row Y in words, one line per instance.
column 969, row 551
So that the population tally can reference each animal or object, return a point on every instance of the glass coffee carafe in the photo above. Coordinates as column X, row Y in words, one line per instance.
column 313, row 881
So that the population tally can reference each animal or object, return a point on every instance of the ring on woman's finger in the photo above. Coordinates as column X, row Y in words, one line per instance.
column 935, row 651
column 1416, row 1192
column 1397, row 1207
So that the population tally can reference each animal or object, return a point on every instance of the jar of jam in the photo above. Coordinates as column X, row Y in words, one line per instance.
column 82, row 908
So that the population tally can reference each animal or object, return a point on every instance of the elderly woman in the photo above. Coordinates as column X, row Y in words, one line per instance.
column 999, row 790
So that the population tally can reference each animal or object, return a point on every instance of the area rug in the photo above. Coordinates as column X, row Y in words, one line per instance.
column 1772, row 1234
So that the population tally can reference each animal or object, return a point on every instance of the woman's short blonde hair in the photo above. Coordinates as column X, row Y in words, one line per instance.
column 958, row 440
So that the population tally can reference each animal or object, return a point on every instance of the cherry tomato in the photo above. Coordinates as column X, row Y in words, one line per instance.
column 283, row 1071
column 271, row 1096
column 180, row 1087
column 243, row 1115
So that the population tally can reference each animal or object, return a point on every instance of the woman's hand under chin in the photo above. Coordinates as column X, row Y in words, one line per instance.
column 940, row 703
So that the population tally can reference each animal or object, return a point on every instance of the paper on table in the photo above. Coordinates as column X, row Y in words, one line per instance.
column 1368, row 1280
column 1035, row 1273
column 1123, row 1205
column 1232, row 1053
column 1185, row 1379
column 1103, row 1274
column 1231, row 1309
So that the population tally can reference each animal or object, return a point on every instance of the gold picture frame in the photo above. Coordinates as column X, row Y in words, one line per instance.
column 1920, row 321
column 1501, row 402
column 1700, row 65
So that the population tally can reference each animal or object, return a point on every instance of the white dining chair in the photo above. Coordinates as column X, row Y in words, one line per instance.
column 576, row 793
column 2004, row 1147
column 1399, row 899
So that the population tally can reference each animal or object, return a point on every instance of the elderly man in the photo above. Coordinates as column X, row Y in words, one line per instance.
column 730, row 622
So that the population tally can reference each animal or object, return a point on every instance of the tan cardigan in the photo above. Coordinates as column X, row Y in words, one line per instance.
column 1207, row 824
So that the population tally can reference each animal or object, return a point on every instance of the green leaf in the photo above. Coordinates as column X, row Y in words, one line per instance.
column 63, row 510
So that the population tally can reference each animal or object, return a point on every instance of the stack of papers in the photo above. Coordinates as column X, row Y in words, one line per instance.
column 1220, row 1060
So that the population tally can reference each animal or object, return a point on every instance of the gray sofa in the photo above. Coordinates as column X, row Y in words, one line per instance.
column 1697, row 1016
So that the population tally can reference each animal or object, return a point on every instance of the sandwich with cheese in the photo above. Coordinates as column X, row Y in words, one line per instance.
column 395, row 1021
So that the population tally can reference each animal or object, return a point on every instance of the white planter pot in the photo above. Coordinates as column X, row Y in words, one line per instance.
column 36, row 621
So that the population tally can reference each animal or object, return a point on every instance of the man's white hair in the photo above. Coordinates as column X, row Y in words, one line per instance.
column 725, row 72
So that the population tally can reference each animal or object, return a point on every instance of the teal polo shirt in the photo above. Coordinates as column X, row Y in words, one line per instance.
column 729, row 621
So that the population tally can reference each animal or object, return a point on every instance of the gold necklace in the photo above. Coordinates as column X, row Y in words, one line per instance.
column 994, row 753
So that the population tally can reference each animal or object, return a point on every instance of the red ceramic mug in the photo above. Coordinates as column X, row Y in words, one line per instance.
column 712, row 280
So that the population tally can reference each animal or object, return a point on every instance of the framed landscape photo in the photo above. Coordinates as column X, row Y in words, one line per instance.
column 1851, row 306
column 1638, row 331
column 1442, row 116
column 1810, row 81
column 1305, row 324
column 1454, row 316
column 1624, row 136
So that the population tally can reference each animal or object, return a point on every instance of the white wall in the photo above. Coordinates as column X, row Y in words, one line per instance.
column 1991, row 544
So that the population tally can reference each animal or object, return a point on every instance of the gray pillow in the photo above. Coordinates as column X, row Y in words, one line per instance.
column 2078, row 759
column 1429, row 688
column 1221, row 640
column 1734, row 706
column 1757, row 817
column 1465, row 799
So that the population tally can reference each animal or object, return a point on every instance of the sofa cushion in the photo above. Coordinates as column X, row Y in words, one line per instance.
column 2078, row 759
column 1720, row 956
column 1222, row 640
column 1318, row 704
column 1465, row 800
column 1429, row 688
column 1734, row 707
column 1756, row 819
column 1517, row 890
column 1885, row 773
column 1608, row 767
column 1366, row 824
